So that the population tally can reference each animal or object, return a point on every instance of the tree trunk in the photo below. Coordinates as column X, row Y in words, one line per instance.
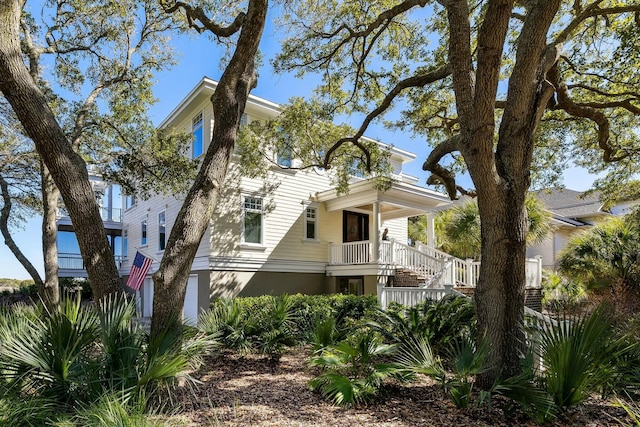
column 499, row 295
column 50, row 292
column 229, row 100
column 67, row 168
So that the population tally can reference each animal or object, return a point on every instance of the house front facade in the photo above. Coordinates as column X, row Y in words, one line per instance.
column 288, row 232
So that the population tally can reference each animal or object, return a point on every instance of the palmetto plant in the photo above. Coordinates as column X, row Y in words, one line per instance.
column 577, row 356
column 276, row 329
column 228, row 322
column 353, row 371
column 46, row 356
column 443, row 323
column 78, row 354
column 607, row 252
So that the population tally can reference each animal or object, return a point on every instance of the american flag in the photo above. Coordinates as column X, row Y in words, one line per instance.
column 139, row 270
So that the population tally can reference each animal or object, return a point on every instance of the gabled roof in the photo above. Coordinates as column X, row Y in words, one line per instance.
column 257, row 106
column 570, row 203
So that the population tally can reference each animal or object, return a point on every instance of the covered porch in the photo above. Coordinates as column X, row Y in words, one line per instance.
column 374, row 228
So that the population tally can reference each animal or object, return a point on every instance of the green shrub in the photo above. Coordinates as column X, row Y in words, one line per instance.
column 242, row 321
column 444, row 324
column 353, row 372
column 577, row 356
column 62, row 360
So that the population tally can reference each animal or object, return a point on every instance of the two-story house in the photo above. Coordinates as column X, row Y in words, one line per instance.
column 291, row 232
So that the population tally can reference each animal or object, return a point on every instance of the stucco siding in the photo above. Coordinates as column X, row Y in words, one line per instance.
column 241, row 283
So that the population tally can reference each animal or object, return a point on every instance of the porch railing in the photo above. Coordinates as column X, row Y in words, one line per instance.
column 390, row 253
column 422, row 260
column 410, row 297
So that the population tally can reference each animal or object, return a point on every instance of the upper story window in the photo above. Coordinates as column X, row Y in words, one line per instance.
column 244, row 119
column 284, row 157
column 125, row 243
column 162, row 231
column 143, row 231
column 197, row 129
column 129, row 201
column 252, row 220
column 311, row 223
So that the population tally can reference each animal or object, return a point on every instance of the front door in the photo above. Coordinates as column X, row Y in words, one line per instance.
column 355, row 226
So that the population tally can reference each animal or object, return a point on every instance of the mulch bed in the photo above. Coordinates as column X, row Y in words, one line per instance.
column 250, row 391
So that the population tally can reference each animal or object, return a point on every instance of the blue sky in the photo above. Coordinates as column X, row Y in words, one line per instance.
column 199, row 57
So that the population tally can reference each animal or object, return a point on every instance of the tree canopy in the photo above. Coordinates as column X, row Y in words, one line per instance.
column 491, row 86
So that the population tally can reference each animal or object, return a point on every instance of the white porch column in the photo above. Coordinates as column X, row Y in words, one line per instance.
column 431, row 230
column 375, row 247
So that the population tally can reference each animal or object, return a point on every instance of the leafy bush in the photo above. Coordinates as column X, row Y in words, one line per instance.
column 443, row 324
column 246, row 323
column 353, row 371
column 77, row 354
column 577, row 357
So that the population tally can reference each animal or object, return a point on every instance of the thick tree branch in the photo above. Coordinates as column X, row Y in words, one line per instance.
column 413, row 81
column 609, row 154
column 432, row 164
column 590, row 11
column 194, row 14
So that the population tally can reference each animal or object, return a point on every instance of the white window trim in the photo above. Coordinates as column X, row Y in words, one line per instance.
column 313, row 206
column 251, row 245
column 165, row 230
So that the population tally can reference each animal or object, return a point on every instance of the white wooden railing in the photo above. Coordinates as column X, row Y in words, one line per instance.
column 390, row 253
column 422, row 260
column 410, row 297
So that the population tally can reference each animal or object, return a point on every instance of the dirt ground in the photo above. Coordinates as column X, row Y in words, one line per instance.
column 249, row 391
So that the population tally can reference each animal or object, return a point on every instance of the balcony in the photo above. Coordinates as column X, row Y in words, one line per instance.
column 71, row 265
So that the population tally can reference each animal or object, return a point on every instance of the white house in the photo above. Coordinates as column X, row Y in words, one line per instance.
column 291, row 232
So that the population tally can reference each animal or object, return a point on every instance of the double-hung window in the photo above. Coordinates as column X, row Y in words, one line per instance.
column 162, row 231
column 197, row 147
column 253, row 220
column 143, row 228
column 311, row 223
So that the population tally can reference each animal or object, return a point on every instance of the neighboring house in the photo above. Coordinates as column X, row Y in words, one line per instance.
column 109, row 200
column 572, row 211
column 291, row 232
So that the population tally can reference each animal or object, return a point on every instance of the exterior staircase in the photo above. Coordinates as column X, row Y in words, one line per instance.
column 406, row 277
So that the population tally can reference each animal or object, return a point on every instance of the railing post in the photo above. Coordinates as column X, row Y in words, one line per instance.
column 468, row 272
column 539, row 275
column 381, row 297
column 393, row 251
column 448, row 289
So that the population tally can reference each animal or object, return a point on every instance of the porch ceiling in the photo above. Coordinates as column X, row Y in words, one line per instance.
column 400, row 201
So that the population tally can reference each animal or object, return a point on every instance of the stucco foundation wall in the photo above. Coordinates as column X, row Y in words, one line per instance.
column 370, row 285
column 241, row 283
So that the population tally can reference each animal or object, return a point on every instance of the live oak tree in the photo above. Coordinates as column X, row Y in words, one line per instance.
column 486, row 83
column 102, row 58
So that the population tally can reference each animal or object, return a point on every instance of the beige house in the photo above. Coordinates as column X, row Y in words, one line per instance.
column 572, row 212
column 288, row 233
